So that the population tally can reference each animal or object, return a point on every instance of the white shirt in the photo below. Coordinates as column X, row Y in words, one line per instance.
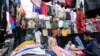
column 60, row 23
column 38, row 37
column 61, row 1
column 37, row 3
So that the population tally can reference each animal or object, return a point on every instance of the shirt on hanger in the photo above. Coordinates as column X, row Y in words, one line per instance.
column 59, row 32
column 37, row 3
column 66, row 24
column 45, row 32
column 54, row 25
column 48, row 25
column 60, row 23
column 64, row 32
column 38, row 37
column 73, row 16
column 31, row 24
column 54, row 31
column 44, row 9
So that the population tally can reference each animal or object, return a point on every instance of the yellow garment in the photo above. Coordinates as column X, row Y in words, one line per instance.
column 22, row 45
column 64, row 32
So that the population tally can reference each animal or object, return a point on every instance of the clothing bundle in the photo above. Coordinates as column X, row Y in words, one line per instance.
column 31, row 48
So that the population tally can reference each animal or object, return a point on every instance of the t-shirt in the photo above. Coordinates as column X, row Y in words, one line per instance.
column 44, row 9
column 55, row 31
column 60, row 23
column 54, row 25
column 66, row 24
column 31, row 24
column 38, row 37
column 48, row 25
column 45, row 32
column 64, row 32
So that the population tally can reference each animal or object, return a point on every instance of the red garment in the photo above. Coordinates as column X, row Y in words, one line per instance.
column 80, row 23
column 93, row 20
column 67, row 3
column 11, row 19
column 44, row 9
column 54, row 31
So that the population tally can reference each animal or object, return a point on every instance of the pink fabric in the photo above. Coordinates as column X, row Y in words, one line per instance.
column 54, row 31
column 58, row 53
column 62, row 50
column 67, row 3
column 11, row 19
column 73, row 16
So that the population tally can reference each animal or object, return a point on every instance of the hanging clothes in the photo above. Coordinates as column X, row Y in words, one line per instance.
column 49, row 10
column 54, row 31
column 64, row 32
column 54, row 24
column 66, row 23
column 61, row 1
column 45, row 32
column 73, row 16
column 80, row 23
column 38, row 10
column 44, row 9
column 59, row 32
column 27, row 5
column 48, row 25
column 60, row 23
column 68, row 16
column 80, row 4
column 31, row 24
column 37, row 3
column 18, row 13
column 67, row 3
